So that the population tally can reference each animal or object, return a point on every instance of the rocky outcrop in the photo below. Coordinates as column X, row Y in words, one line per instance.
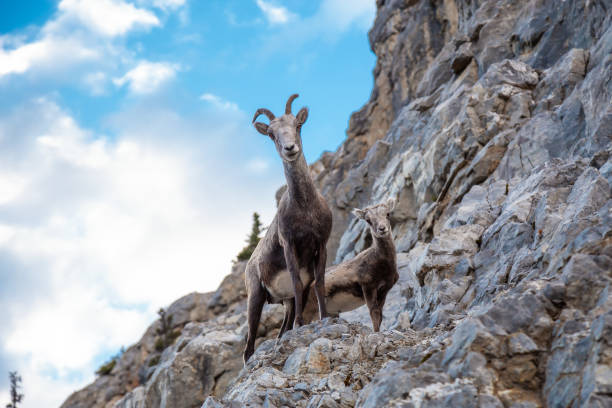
column 321, row 364
column 496, row 142
column 457, row 78
column 203, row 360
column 490, row 123
column 136, row 363
column 512, row 311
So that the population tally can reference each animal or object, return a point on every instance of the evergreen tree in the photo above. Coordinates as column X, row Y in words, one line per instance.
column 252, row 241
column 16, row 396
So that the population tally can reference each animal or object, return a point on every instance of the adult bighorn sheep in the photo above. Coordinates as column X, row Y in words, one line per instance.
column 293, row 251
column 369, row 276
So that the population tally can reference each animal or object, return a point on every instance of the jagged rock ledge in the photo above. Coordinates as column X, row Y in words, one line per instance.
column 320, row 364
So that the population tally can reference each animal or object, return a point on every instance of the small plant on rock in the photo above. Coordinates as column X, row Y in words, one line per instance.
column 165, row 332
column 154, row 361
column 107, row 368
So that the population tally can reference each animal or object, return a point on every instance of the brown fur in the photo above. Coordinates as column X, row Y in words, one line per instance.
column 368, row 277
column 292, row 254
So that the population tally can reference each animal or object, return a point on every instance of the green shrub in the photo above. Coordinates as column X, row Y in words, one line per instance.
column 106, row 368
column 167, row 340
column 154, row 361
column 173, row 336
column 160, row 344
column 167, row 336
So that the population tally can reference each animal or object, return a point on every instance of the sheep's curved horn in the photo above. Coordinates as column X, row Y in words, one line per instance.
column 263, row 111
column 289, row 102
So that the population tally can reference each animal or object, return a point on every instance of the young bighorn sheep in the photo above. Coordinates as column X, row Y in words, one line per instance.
column 293, row 251
column 368, row 277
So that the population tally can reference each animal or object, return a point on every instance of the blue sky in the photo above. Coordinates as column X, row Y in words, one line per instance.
column 128, row 165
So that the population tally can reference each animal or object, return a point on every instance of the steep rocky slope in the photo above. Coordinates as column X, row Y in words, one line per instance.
column 491, row 123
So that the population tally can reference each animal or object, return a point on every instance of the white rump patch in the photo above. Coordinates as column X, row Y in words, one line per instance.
column 282, row 285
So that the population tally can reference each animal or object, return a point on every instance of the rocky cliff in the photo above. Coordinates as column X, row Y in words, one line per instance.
column 491, row 123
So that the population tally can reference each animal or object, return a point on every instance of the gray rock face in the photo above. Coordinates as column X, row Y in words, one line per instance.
column 512, row 311
column 135, row 364
column 200, row 363
column 490, row 122
column 321, row 364
column 207, row 355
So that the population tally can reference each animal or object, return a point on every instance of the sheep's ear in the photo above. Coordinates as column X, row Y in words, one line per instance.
column 302, row 116
column 390, row 204
column 359, row 213
column 261, row 128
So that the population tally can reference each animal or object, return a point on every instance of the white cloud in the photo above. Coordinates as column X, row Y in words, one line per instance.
column 275, row 14
column 168, row 4
column 331, row 20
column 42, row 390
column 147, row 76
column 47, row 51
column 332, row 17
column 11, row 186
column 107, row 223
column 108, row 17
column 71, row 336
column 257, row 165
column 96, row 82
column 81, row 31
column 218, row 102
column 341, row 14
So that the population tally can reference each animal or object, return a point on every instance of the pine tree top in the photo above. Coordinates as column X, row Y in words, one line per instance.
column 252, row 240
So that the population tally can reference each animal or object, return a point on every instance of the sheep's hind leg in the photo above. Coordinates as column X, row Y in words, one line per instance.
column 319, row 285
column 298, row 286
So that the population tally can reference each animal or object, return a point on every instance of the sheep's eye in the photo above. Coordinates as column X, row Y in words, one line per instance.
column 388, row 215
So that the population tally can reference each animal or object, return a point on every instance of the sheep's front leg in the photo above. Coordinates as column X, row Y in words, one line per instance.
column 381, row 299
column 289, row 316
column 373, row 301
column 298, row 286
column 319, row 285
